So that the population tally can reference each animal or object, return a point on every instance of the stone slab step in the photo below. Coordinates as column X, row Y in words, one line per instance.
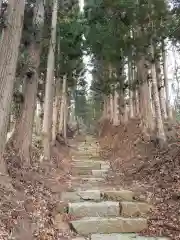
column 87, row 179
column 88, row 164
column 100, row 173
column 85, row 151
column 94, row 209
column 119, row 195
column 115, row 236
column 79, row 186
column 134, row 209
column 82, row 170
column 90, row 225
column 94, row 195
column 92, row 179
column 79, row 238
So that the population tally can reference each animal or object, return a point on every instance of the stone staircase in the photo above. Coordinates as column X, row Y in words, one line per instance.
column 101, row 212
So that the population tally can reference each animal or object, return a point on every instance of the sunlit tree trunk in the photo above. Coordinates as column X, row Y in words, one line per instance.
column 168, row 107
column 158, row 117
column 116, row 109
column 48, row 105
column 161, row 89
column 130, row 80
column 9, row 48
column 38, row 118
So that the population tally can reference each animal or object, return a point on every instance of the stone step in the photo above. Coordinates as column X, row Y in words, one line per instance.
column 118, row 195
column 79, row 186
column 92, row 179
column 93, row 195
column 90, row 151
column 88, row 164
column 91, row 163
column 93, row 209
column 97, row 194
column 100, row 173
column 109, row 208
column 82, row 170
column 80, row 238
column 124, row 236
column 86, row 179
column 90, row 225
column 113, row 236
column 134, row 209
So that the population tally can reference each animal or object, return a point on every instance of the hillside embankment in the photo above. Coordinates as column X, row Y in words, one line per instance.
column 139, row 163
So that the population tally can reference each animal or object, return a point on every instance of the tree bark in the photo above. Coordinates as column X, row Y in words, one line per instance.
column 9, row 49
column 126, row 113
column 48, row 106
column 145, row 100
column 38, row 119
column 56, row 107
column 61, row 118
column 111, row 107
column 104, row 108
column 130, row 80
column 168, row 107
column 116, row 109
column 122, row 106
column 65, row 117
column 161, row 89
column 24, row 127
column 158, row 117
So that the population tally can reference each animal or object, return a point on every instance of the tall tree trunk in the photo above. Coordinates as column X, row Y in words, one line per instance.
column 24, row 128
column 38, row 118
column 111, row 107
column 151, row 100
column 130, row 80
column 168, row 107
column 65, row 117
column 105, row 108
column 158, row 117
column 122, row 106
column 61, row 118
column 145, row 100
column 116, row 109
column 161, row 89
column 126, row 113
column 108, row 107
column 9, row 49
column 56, row 107
column 48, row 106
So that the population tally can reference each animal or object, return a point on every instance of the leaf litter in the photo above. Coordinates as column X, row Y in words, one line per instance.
column 138, row 163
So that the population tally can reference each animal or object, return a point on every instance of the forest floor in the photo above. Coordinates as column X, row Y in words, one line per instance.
column 137, row 163
column 28, row 206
